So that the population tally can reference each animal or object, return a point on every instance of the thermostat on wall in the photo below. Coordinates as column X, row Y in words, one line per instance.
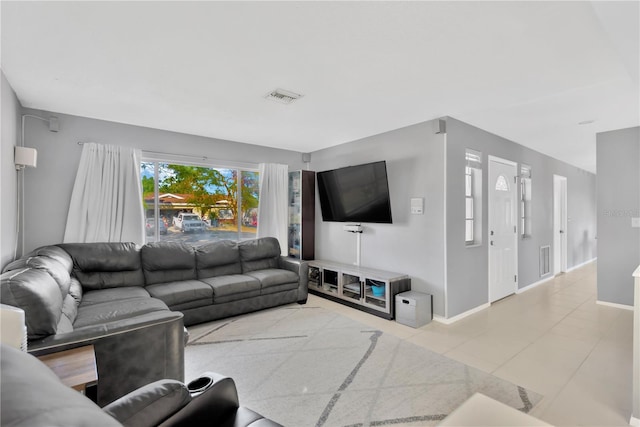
column 417, row 205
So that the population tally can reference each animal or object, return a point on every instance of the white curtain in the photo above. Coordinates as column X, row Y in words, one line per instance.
column 106, row 202
column 273, row 215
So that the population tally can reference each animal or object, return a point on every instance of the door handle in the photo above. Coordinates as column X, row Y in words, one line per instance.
column 491, row 242
column 561, row 231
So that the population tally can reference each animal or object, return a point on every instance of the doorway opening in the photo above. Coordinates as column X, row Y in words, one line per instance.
column 559, row 224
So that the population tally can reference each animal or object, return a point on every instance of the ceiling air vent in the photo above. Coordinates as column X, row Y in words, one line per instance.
column 282, row 96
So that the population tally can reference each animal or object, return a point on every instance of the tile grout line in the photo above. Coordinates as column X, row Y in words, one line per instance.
column 575, row 372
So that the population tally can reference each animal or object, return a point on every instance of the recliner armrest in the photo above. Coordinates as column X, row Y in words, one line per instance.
column 151, row 404
column 213, row 406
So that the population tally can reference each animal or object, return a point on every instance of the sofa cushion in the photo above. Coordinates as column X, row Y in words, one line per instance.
column 38, row 295
column 274, row 277
column 279, row 288
column 114, row 294
column 259, row 254
column 237, row 297
column 218, row 259
column 184, row 294
column 101, row 313
column 232, row 284
column 168, row 262
column 105, row 265
column 50, row 265
column 56, row 253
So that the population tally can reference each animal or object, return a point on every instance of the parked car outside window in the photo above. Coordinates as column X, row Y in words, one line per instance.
column 150, row 226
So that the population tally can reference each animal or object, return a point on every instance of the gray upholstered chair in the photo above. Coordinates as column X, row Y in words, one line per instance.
column 32, row 395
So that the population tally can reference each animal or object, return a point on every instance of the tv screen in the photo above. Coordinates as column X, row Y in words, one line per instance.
column 355, row 194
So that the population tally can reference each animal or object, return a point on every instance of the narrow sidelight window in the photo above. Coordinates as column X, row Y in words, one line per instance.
column 473, row 198
column 525, row 201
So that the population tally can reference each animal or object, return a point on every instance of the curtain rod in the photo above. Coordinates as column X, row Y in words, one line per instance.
column 146, row 153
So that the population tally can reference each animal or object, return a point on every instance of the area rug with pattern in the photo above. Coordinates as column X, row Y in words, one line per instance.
column 307, row 366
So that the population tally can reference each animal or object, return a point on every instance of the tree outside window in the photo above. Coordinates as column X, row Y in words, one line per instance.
column 194, row 204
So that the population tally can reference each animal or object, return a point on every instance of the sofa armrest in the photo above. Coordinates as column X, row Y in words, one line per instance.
column 150, row 404
column 90, row 334
column 301, row 268
column 130, row 353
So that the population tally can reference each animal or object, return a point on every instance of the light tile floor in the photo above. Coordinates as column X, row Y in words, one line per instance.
column 553, row 339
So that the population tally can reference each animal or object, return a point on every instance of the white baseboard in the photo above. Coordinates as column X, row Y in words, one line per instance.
column 615, row 305
column 633, row 421
column 533, row 285
column 450, row 320
column 582, row 264
column 551, row 277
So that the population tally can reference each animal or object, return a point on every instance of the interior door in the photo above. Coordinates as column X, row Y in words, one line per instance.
column 503, row 236
column 559, row 224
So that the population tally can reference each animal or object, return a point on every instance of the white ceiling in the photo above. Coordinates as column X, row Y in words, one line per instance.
column 527, row 71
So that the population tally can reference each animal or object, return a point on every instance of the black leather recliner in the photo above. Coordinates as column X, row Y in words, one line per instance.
column 33, row 396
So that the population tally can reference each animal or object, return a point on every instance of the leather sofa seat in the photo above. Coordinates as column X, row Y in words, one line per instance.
column 233, row 287
column 114, row 294
column 273, row 277
column 113, row 311
column 183, row 294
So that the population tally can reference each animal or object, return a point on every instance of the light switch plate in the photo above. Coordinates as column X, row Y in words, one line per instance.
column 417, row 205
column 635, row 222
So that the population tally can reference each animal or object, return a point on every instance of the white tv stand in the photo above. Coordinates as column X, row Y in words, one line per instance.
column 353, row 286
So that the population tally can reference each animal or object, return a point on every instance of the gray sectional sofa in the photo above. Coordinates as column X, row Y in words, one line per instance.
column 132, row 302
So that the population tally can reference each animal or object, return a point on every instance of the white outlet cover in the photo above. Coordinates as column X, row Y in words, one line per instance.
column 635, row 222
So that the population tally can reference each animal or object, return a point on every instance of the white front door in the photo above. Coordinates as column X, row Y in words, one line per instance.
column 503, row 236
column 559, row 224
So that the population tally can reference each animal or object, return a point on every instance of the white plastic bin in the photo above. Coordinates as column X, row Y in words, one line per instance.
column 413, row 308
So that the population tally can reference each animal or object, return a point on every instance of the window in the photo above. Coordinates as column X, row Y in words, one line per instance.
column 525, row 201
column 501, row 184
column 473, row 198
column 197, row 204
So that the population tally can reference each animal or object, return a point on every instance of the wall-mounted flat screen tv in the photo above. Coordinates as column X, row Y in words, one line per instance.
column 355, row 194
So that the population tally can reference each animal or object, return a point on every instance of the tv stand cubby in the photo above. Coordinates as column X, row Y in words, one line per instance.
column 366, row 289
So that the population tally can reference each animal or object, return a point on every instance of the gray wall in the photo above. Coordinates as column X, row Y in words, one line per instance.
column 48, row 187
column 10, row 124
column 467, row 268
column 413, row 244
column 618, row 160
